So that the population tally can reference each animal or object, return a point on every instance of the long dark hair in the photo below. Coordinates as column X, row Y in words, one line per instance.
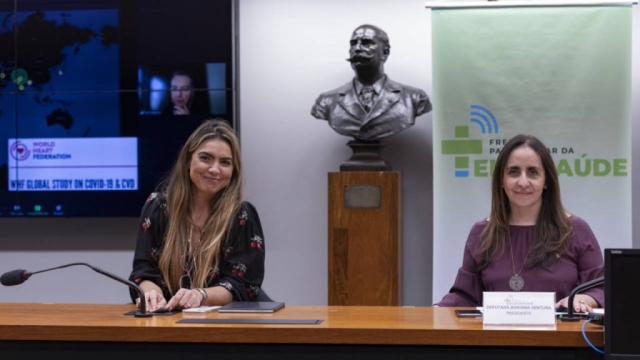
column 553, row 225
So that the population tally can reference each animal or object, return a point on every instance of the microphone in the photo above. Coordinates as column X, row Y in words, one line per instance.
column 572, row 295
column 17, row 277
column 14, row 277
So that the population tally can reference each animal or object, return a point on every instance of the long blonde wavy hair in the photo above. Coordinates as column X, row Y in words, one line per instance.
column 179, row 192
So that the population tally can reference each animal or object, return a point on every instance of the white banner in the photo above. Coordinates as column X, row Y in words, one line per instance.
column 562, row 74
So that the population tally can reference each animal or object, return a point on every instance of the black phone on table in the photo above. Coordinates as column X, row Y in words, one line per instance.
column 468, row 313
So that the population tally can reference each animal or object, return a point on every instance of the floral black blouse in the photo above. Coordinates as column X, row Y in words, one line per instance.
column 241, row 257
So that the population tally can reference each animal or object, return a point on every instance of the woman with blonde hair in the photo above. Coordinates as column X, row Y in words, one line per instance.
column 198, row 242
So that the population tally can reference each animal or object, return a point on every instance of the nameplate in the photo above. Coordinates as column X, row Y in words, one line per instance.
column 362, row 196
column 518, row 308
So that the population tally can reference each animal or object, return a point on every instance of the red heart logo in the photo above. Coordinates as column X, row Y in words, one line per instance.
column 20, row 150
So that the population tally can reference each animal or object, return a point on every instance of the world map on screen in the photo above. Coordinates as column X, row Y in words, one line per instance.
column 59, row 75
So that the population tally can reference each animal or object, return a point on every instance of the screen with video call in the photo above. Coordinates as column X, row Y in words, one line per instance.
column 98, row 96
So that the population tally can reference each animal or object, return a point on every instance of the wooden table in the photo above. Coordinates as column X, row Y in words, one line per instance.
column 30, row 331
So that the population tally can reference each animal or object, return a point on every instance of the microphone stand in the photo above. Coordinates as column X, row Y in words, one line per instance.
column 572, row 295
column 143, row 303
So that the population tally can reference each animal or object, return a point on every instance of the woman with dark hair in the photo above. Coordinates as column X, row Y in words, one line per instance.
column 182, row 93
column 198, row 242
column 529, row 242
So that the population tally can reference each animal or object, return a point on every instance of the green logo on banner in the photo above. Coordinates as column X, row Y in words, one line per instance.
column 462, row 146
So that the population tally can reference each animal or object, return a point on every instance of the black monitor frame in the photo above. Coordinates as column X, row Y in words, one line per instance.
column 613, row 309
column 159, row 137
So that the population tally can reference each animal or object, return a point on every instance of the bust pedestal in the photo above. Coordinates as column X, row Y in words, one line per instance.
column 365, row 243
column 365, row 157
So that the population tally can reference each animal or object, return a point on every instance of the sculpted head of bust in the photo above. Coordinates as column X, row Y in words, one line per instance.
column 368, row 51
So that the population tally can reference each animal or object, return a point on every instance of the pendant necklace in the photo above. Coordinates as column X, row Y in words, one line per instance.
column 516, row 282
column 190, row 255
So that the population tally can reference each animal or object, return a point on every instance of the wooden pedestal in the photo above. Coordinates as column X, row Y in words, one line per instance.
column 365, row 239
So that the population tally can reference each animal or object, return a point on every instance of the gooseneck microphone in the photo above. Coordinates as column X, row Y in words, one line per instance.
column 14, row 277
column 17, row 277
column 578, row 289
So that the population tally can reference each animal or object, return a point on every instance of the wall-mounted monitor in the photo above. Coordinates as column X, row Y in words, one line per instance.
column 97, row 96
column 621, row 291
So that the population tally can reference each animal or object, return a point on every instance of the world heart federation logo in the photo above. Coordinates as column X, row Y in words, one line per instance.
column 19, row 151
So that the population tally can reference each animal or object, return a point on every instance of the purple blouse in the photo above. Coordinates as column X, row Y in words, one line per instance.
column 581, row 262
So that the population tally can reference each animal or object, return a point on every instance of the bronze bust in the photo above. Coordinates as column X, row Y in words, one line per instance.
column 371, row 106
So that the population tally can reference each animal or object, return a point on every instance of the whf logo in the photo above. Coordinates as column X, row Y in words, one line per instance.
column 488, row 124
column 19, row 151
